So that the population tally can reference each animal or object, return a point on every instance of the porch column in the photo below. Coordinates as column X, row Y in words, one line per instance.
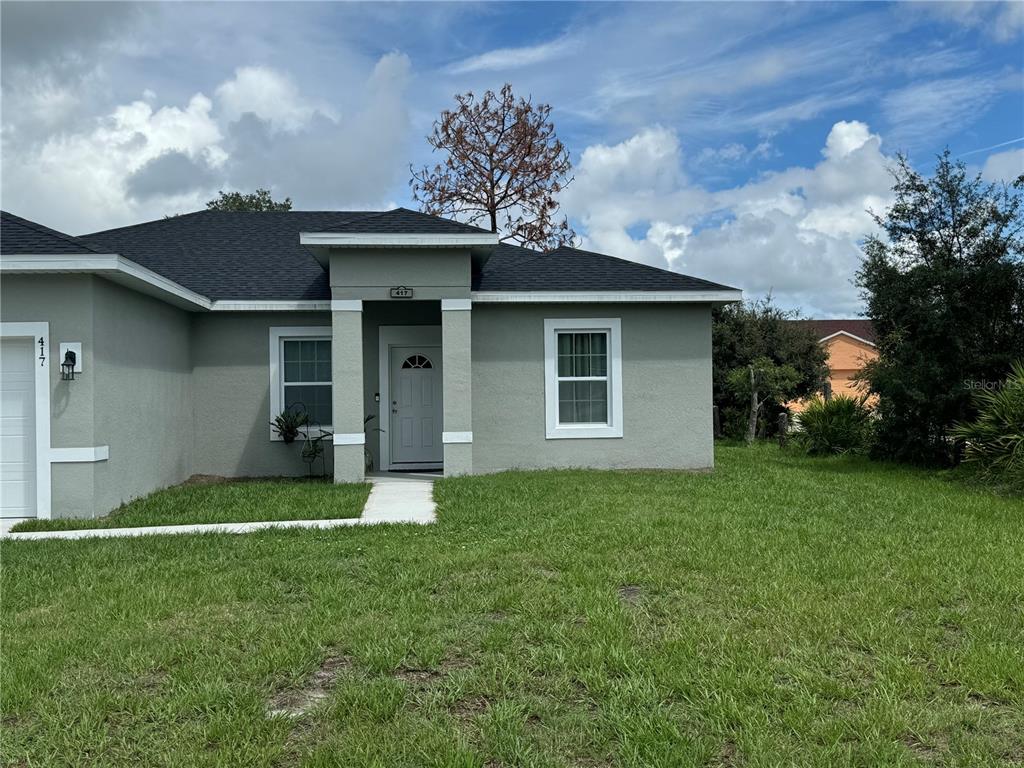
column 456, row 349
column 347, row 389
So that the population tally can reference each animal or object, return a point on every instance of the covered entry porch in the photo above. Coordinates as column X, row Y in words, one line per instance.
column 401, row 394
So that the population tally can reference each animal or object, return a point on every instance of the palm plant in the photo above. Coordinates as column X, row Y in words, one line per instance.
column 994, row 442
column 841, row 424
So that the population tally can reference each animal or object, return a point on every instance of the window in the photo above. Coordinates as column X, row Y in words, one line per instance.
column 300, row 373
column 307, row 377
column 583, row 378
column 417, row 361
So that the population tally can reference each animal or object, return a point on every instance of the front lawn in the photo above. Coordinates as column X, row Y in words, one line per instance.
column 233, row 501
column 780, row 611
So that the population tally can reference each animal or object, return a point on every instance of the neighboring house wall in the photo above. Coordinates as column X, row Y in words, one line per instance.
column 231, row 376
column 846, row 356
column 666, row 373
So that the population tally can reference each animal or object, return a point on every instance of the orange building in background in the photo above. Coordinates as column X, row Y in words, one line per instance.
column 850, row 344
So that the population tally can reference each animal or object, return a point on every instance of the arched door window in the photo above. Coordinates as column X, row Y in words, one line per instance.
column 417, row 361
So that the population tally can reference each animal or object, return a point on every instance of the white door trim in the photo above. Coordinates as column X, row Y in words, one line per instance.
column 37, row 331
column 398, row 336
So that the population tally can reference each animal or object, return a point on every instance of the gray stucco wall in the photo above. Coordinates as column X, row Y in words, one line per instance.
column 369, row 275
column 666, row 372
column 231, row 381
column 143, row 394
column 133, row 394
column 66, row 303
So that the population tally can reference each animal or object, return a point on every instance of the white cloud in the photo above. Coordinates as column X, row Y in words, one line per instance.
column 267, row 94
column 502, row 59
column 1004, row 166
column 140, row 161
column 794, row 232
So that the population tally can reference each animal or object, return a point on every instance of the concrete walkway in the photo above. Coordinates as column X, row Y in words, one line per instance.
column 393, row 499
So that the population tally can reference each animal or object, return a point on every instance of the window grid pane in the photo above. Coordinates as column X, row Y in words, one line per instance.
column 583, row 402
column 307, row 360
column 314, row 398
column 582, row 377
column 582, row 354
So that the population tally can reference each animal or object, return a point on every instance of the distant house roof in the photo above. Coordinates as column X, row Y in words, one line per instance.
column 862, row 329
column 232, row 255
column 21, row 236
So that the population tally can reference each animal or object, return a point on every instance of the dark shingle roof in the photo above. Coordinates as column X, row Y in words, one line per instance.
column 241, row 255
column 511, row 268
column 404, row 221
column 231, row 254
column 21, row 236
column 861, row 328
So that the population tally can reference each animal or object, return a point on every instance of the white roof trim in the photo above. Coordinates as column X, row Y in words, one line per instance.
column 845, row 333
column 382, row 240
column 135, row 276
column 624, row 297
column 271, row 305
column 117, row 268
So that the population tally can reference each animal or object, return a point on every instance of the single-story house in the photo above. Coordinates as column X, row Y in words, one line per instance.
column 850, row 344
column 417, row 342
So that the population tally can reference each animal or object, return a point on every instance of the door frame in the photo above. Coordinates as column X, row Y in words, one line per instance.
column 36, row 331
column 401, row 336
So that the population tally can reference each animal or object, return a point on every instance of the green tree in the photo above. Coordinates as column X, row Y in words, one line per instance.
column 761, row 381
column 759, row 330
column 260, row 200
column 944, row 287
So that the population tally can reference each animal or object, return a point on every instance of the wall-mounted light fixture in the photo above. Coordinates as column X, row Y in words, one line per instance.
column 67, row 367
column 70, row 360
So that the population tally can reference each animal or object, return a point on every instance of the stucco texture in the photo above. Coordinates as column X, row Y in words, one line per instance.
column 666, row 373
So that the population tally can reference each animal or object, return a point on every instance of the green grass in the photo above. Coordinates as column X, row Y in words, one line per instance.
column 237, row 501
column 780, row 611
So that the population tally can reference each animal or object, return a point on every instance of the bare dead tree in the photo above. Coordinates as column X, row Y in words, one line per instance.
column 503, row 165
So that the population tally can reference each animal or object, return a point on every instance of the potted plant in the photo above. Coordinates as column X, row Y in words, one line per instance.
column 290, row 422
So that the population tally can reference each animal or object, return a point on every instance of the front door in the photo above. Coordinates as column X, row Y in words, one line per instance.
column 416, row 407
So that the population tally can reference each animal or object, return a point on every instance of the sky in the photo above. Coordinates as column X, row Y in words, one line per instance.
column 742, row 143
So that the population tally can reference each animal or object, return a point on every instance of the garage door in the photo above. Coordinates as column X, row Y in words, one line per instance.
column 17, row 429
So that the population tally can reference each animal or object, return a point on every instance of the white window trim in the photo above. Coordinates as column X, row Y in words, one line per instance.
column 278, row 335
column 552, row 327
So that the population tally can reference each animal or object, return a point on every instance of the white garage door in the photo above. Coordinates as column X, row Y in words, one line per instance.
column 17, row 429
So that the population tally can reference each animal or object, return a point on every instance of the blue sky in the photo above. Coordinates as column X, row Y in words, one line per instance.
column 739, row 142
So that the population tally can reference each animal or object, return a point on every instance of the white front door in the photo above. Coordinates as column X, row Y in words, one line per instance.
column 416, row 407
column 17, row 428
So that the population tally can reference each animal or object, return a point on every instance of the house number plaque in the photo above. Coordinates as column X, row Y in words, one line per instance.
column 401, row 292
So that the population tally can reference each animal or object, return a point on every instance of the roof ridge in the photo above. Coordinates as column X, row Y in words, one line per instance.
column 44, row 230
column 148, row 223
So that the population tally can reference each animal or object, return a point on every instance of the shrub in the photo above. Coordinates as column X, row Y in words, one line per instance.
column 994, row 442
column 840, row 425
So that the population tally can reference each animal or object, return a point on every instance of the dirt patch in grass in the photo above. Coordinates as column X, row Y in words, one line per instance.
column 931, row 753
column 630, row 594
column 467, row 709
column 729, row 754
column 297, row 701
column 206, row 480
column 423, row 676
